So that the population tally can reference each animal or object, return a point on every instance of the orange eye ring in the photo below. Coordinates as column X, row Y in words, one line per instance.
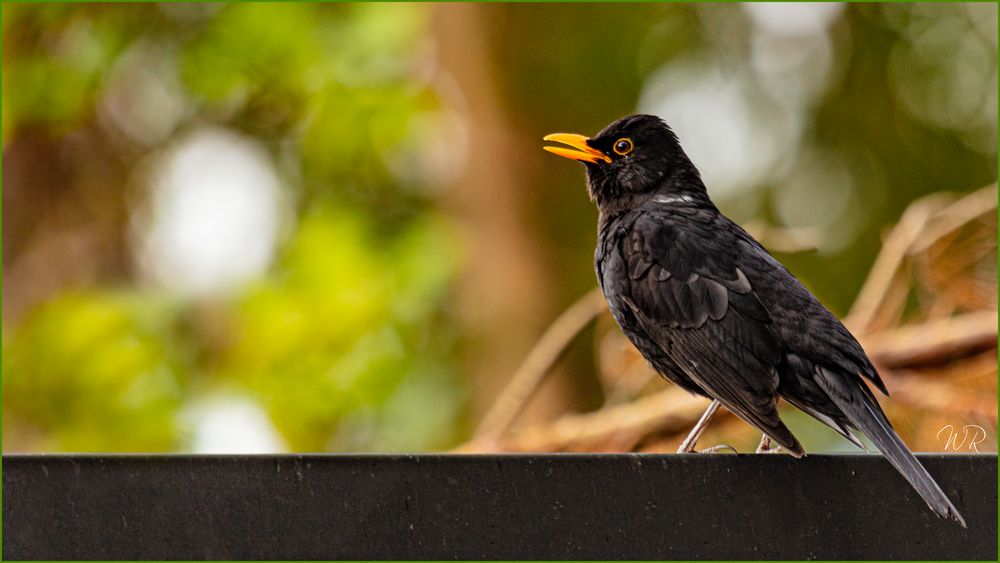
column 623, row 146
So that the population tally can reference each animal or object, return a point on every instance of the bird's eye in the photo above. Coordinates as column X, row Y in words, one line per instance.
column 623, row 146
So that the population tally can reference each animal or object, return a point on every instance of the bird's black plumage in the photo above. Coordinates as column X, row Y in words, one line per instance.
column 712, row 310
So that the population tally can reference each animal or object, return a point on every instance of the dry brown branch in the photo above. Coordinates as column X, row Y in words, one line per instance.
column 623, row 372
column 932, row 342
column 943, row 397
column 957, row 393
column 975, row 372
column 955, row 216
column 925, row 222
column 622, row 426
column 613, row 428
column 539, row 362
column 955, row 260
column 885, row 273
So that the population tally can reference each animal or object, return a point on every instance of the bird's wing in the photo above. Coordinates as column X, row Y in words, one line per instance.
column 693, row 300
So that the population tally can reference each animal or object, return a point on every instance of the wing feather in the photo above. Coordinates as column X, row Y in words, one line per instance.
column 698, row 305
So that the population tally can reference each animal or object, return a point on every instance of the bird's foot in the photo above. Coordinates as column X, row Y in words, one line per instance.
column 767, row 447
column 718, row 448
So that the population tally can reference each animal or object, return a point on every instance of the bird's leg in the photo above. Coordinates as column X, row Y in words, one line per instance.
column 687, row 446
column 766, row 447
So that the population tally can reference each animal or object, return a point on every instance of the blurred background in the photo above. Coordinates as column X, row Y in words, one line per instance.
column 306, row 227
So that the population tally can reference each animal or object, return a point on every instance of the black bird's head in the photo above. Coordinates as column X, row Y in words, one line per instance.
column 630, row 159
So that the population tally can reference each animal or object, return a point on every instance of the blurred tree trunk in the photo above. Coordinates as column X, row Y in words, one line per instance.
column 63, row 219
column 508, row 286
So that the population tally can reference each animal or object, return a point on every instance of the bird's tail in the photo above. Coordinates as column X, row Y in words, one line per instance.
column 861, row 408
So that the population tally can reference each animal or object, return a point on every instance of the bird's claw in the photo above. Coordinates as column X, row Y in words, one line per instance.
column 718, row 448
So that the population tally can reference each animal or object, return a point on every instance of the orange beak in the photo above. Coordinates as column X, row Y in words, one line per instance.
column 581, row 150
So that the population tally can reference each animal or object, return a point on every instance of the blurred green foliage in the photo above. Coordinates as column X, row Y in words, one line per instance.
column 348, row 319
column 346, row 340
column 88, row 349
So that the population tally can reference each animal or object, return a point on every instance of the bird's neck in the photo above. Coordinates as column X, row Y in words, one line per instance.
column 679, row 190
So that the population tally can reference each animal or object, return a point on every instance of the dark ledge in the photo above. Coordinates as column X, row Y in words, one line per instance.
column 492, row 507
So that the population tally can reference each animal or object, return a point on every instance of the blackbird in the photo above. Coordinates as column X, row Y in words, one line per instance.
column 712, row 310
